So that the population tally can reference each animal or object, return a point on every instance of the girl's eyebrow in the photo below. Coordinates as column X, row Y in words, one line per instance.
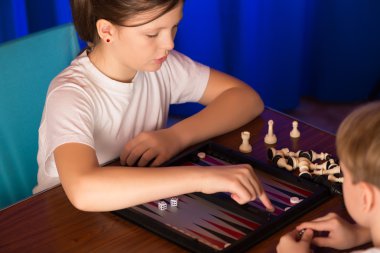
column 162, row 27
column 159, row 28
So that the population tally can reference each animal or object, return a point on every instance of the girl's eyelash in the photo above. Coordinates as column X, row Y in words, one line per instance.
column 152, row 35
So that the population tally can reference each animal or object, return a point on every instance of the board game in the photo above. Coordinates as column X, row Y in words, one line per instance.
column 215, row 223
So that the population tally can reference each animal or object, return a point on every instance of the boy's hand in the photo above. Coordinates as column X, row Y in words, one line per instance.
column 290, row 243
column 151, row 148
column 341, row 234
column 240, row 180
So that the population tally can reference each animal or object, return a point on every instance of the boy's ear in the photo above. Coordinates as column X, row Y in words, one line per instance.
column 368, row 196
column 106, row 30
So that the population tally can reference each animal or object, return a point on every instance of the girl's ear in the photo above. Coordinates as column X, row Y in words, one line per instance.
column 367, row 196
column 106, row 30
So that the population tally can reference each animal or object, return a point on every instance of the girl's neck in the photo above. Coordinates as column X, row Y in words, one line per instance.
column 110, row 66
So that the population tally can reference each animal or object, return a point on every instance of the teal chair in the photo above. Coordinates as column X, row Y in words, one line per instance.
column 27, row 65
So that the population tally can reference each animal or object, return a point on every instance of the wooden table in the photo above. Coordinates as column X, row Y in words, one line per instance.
column 47, row 222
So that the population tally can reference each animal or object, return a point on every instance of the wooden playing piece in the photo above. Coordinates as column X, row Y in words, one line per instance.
column 281, row 162
column 335, row 170
column 272, row 152
column 322, row 166
column 333, row 178
column 270, row 137
column 201, row 155
column 319, row 156
column 306, row 154
column 294, row 161
column 245, row 147
column 295, row 133
column 304, row 165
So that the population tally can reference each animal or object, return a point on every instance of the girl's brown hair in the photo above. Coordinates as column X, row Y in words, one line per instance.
column 86, row 12
column 358, row 143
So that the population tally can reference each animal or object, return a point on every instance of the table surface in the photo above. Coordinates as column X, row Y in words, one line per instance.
column 47, row 222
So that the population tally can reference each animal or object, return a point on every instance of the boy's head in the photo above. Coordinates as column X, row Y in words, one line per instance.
column 358, row 144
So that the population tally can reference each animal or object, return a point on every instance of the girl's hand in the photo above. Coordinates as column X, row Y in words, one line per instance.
column 239, row 180
column 154, row 148
column 341, row 234
column 291, row 243
column 151, row 148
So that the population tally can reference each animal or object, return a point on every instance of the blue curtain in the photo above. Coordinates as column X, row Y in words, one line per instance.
column 327, row 49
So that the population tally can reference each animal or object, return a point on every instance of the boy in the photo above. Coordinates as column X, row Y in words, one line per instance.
column 358, row 147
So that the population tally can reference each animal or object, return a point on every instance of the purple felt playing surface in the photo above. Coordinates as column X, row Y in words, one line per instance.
column 201, row 220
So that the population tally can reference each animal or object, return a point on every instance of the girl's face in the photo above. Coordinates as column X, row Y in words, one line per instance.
column 145, row 47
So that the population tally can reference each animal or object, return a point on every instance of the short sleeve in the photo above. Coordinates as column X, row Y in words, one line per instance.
column 68, row 118
column 188, row 78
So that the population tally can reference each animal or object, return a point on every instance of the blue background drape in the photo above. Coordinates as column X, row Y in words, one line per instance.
column 326, row 49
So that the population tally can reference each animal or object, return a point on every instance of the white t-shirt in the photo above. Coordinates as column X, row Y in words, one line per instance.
column 85, row 106
column 369, row 250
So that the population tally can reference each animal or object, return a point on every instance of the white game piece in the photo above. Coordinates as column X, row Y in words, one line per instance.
column 270, row 137
column 294, row 162
column 332, row 163
column 335, row 179
column 281, row 163
column 295, row 200
column 201, row 155
column 272, row 152
column 318, row 172
column 332, row 166
column 283, row 152
column 245, row 147
column 162, row 205
column 294, row 154
column 332, row 171
column 287, row 208
column 295, row 133
column 335, row 170
column 173, row 201
column 320, row 156
column 322, row 166
column 304, row 165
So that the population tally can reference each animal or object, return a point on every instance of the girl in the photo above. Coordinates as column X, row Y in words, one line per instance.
column 113, row 101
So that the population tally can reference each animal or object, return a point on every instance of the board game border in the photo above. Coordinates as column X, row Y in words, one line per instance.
column 321, row 193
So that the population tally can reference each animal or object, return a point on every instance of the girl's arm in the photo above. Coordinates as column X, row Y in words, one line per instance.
column 90, row 187
column 230, row 103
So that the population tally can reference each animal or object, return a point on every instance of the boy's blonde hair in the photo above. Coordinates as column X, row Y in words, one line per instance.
column 358, row 143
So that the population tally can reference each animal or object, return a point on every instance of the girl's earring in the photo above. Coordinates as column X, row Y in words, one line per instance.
column 108, row 40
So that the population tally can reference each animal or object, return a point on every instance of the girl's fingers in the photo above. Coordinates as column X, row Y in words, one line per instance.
column 147, row 157
column 259, row 191
column 266, row 202
column 241, row 194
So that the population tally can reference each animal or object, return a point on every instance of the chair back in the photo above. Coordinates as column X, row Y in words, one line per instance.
column 27, row 65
